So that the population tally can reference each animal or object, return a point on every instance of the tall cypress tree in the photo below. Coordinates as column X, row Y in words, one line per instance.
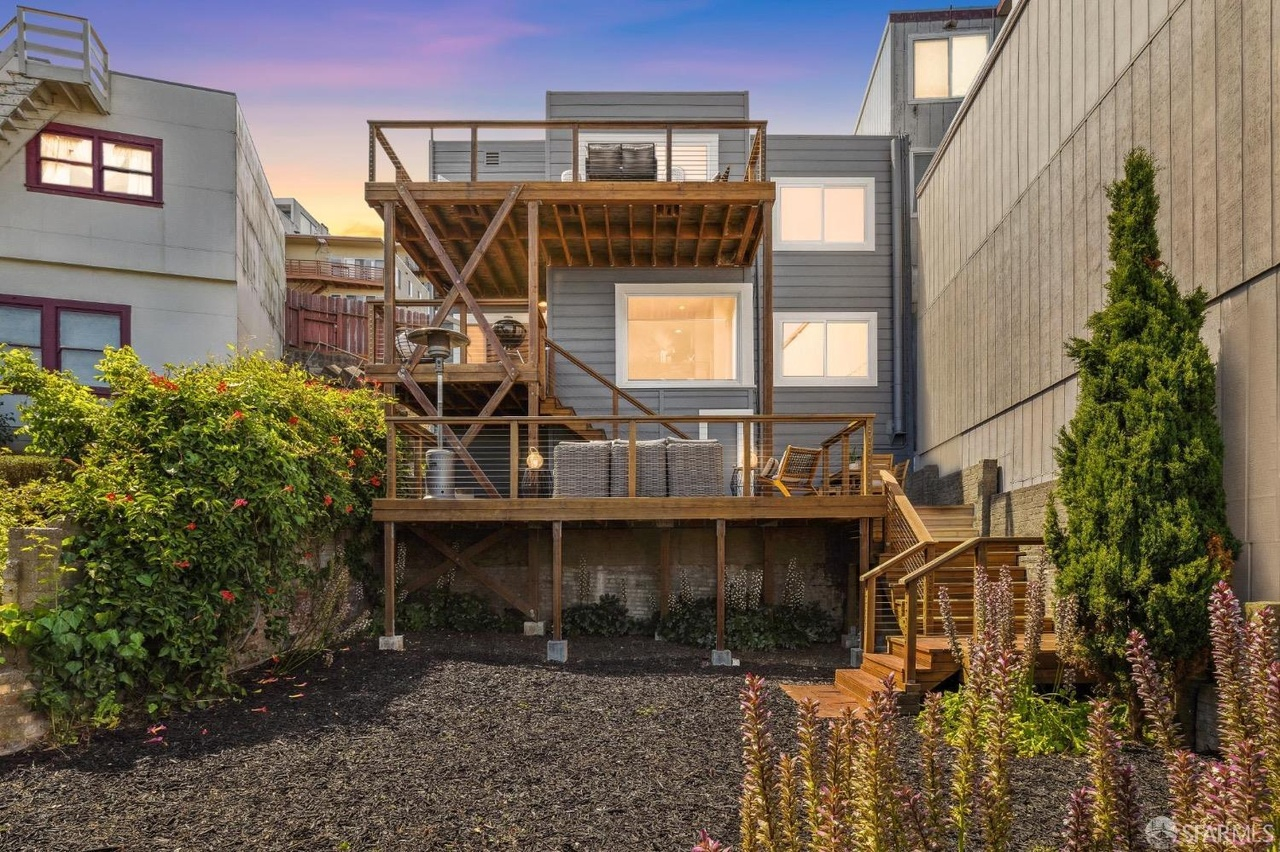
column 1140, row 463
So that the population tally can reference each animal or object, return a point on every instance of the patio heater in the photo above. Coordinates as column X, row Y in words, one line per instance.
column 440, row 342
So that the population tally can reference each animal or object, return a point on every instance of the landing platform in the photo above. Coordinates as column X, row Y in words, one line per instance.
column 587, row 509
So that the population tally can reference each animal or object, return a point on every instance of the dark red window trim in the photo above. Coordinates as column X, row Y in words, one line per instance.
column 35, row 184
column 50, row 311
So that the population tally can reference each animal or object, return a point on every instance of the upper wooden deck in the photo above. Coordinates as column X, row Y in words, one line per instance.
column 574, row 222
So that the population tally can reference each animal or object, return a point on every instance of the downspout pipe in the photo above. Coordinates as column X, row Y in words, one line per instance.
column 898, row 171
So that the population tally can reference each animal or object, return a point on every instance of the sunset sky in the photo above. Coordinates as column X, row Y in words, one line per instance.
column 309, row 75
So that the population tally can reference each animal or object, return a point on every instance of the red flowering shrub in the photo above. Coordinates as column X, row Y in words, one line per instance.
column 195, row 493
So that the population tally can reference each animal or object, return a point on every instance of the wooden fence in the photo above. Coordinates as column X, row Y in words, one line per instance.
column 335, row 323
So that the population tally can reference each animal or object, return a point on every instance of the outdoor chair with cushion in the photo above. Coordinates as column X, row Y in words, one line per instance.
column 793, row 474
column 622, row 161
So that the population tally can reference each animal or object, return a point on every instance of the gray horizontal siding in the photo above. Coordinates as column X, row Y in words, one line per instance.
column 839, row 281
column 581, row 319
column 657, row 106
column 518, row 160
column 654, row 105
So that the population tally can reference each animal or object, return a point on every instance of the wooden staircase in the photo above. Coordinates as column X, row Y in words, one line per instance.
column 551, row 406
column 925, row 549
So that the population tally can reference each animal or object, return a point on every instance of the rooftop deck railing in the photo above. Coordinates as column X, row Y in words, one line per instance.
column 57, row 47
column 548, row 457
column 749, row 166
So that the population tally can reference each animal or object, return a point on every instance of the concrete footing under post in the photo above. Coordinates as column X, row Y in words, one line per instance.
column 390, row 643
column 723, row 658
column 558, row 651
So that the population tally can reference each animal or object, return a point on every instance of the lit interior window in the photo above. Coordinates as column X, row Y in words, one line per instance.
column 681, row 338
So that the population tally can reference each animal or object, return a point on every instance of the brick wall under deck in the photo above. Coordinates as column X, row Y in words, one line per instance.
column 624, row 562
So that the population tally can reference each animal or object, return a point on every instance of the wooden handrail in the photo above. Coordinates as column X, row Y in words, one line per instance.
column 894, row 561
column 614, row 389
column 913, row 580
column 964, row 547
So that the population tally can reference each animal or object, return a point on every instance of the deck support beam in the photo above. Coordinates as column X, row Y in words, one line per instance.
column 768, row 568
column 557, row 580
column 664, row 570
column 851, row 608
column 766, row 333
column 389, row 641
column 720, row 638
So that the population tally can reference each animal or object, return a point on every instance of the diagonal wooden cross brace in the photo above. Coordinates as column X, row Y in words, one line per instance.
column 406, row 378
column 460, row 280
column 469, row 568
column 438, row 570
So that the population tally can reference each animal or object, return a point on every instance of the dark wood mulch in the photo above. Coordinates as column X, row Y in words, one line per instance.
column 458, row 743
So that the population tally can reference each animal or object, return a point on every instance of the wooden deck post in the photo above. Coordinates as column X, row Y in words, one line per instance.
column 720, row 639
column 766, row 332
column 864, row 565
column 664, row 570
column 389, row 641
column 913, row 605
column 533, row 591
column 557, row 578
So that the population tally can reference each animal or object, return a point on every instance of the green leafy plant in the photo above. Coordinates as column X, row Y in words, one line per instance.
column 760, row 628
column 198, row 494
column 443, row 609
column 1140, row 464
column 606, row 617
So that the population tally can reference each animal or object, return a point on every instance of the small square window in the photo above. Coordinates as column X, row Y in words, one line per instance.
column 945, row 67
column 825, row 214
column 824, row 349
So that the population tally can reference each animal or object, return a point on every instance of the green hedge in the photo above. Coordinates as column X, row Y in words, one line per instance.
column 20, row 468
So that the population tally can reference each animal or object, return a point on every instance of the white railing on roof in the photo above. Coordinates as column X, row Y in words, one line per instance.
column 62, row 48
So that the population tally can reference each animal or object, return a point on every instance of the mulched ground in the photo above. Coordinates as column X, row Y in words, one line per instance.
column 459, row 743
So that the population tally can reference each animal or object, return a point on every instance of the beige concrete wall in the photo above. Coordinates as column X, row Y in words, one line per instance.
column 179, row 266
column 1013, row 231
column 259, row 247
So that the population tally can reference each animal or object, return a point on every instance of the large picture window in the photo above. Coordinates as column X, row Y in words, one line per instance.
column 63, row 335
column 945, row 67
column 816, row 349
column 686, row 335
column 95, row 163
column 825, row 214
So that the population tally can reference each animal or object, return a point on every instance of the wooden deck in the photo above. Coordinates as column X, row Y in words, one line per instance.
column 639, row 509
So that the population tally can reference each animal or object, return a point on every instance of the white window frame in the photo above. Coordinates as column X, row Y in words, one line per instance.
column 869, row 215
column 869, row 317
column 911, row 63
column 915, row 178
column 744, row 338
column 659, row 139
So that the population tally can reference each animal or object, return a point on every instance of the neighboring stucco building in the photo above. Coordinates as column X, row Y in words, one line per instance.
column 132, row 211
column 320, row 263
column 1014, row 237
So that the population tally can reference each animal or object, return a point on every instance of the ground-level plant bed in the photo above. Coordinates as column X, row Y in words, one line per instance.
column 461, row 742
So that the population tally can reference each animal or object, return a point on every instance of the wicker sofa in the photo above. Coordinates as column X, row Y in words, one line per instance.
column 667, row 467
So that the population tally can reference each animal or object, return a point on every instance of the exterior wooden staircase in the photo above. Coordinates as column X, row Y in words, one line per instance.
column 48, row 62
column 925, row 549
column 551, row 406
